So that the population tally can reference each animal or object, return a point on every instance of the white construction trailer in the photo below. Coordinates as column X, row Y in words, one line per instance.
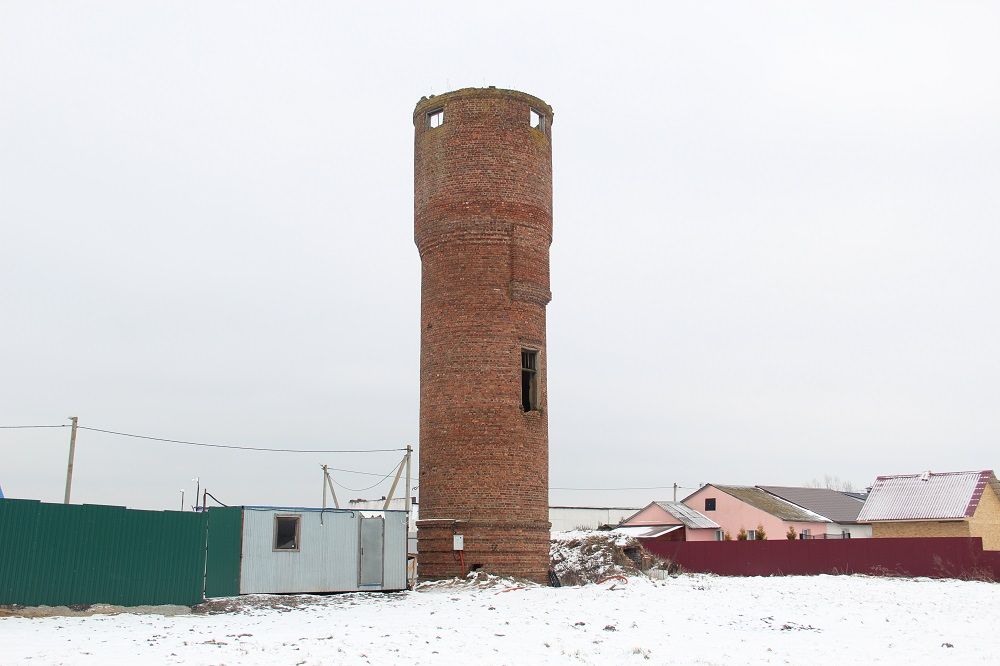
column 298, row 550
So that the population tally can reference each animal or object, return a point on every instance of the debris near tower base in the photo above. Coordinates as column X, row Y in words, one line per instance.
column 580, row 557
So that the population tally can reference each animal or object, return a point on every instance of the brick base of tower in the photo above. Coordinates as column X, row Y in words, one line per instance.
column 520, row 550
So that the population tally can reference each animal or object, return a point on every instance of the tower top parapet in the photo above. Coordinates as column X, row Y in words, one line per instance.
column 430, row 102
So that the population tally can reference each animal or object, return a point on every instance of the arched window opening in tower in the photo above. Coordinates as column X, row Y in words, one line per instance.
column 435, row 118
column 537, row 120
column 529, row 380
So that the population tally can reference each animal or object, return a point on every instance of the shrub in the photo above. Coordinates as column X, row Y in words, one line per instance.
column 726, row 536
column 791, row 535
column 761, row 534
column 741, row 535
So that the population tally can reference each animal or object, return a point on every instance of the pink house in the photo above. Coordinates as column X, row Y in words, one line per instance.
column 670, row 521
column 746, row 507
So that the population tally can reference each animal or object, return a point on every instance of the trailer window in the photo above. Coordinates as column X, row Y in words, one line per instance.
column 286, row 532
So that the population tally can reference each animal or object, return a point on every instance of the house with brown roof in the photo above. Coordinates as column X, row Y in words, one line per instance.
column 841, row 509
column 748, row 508
column 936, row 505
column 671, row 521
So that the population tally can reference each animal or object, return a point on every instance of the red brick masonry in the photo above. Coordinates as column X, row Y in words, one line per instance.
column 483, row 226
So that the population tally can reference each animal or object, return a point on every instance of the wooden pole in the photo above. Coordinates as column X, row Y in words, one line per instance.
column 69, row 465
column 395, row 482
column 329, row 482
column 409, row 451
column 324, row 485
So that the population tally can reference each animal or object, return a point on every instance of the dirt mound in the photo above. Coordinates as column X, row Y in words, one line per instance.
column 582, row 557
column 85, row 610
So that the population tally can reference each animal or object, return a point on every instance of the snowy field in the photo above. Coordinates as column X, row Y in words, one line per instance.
column 691, row 619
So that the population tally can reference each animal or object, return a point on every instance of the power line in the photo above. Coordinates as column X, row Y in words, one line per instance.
column 233, row 446
column 359, row 490
column 215, row 498
column 354, row 471
column 64, row 425
column 631, row 488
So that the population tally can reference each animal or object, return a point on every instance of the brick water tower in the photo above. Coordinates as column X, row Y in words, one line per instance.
column 483, row 226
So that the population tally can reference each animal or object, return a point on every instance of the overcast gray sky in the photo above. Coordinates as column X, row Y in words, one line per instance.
column 776, row 231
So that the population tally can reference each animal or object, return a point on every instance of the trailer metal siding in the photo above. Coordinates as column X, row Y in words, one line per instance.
column 394, row 571
column 58, row 554
column 328, row 558
column 225, row 542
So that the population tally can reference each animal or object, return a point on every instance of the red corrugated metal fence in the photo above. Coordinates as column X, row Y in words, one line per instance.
column 944, row 557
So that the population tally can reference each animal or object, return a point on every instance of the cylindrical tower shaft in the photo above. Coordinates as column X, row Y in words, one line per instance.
column 483, row 226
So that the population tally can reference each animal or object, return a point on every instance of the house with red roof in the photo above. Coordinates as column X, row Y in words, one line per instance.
column 935, row 505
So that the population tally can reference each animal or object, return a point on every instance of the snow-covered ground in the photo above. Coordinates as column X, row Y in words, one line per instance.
column 691, row 619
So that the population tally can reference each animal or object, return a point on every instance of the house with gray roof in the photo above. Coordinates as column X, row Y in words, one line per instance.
column 839, row 508
column 670, row 521
column 756, row 513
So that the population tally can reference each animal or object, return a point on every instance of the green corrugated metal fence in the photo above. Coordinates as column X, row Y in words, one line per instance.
column 58, row 554
column 225, row 545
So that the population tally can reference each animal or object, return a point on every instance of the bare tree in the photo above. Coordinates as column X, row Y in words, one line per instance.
column 833, row 483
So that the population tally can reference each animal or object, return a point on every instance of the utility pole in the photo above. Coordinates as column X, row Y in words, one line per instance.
column 406, row 547
column 324, row 485
column 409, row 451
column 182, row 499
column 328, row 483
column 675, row 491
column 197, row 491
column 72, row 454
column 395, row 482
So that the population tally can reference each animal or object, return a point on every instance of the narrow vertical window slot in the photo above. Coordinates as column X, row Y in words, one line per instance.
column 529, row 380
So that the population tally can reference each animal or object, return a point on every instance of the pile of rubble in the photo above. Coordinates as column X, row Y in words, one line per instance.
column 580, row 557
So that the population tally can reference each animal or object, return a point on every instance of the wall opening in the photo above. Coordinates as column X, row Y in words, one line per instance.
column 537, row 120
column 435, row 118
column 529, row 380
column 286, row 532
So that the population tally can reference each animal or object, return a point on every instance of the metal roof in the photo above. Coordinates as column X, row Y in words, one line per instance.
column 690, row 517
column 828, row 503
column 773, row 505
column 927, row 496
column 646, row 531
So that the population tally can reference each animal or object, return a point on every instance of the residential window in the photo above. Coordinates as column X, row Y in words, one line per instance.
column 709, row 504
column 805, row 534
column 435, row 118
column 719, row 536
column 537, row 120
column 286, row 532
column 845, row 534
column 529, row 380
column 751, row 535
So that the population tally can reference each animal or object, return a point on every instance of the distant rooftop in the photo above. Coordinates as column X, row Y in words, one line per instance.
column 690, row 517
column 775, row 506
column 832, row 504
column 927, row 496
